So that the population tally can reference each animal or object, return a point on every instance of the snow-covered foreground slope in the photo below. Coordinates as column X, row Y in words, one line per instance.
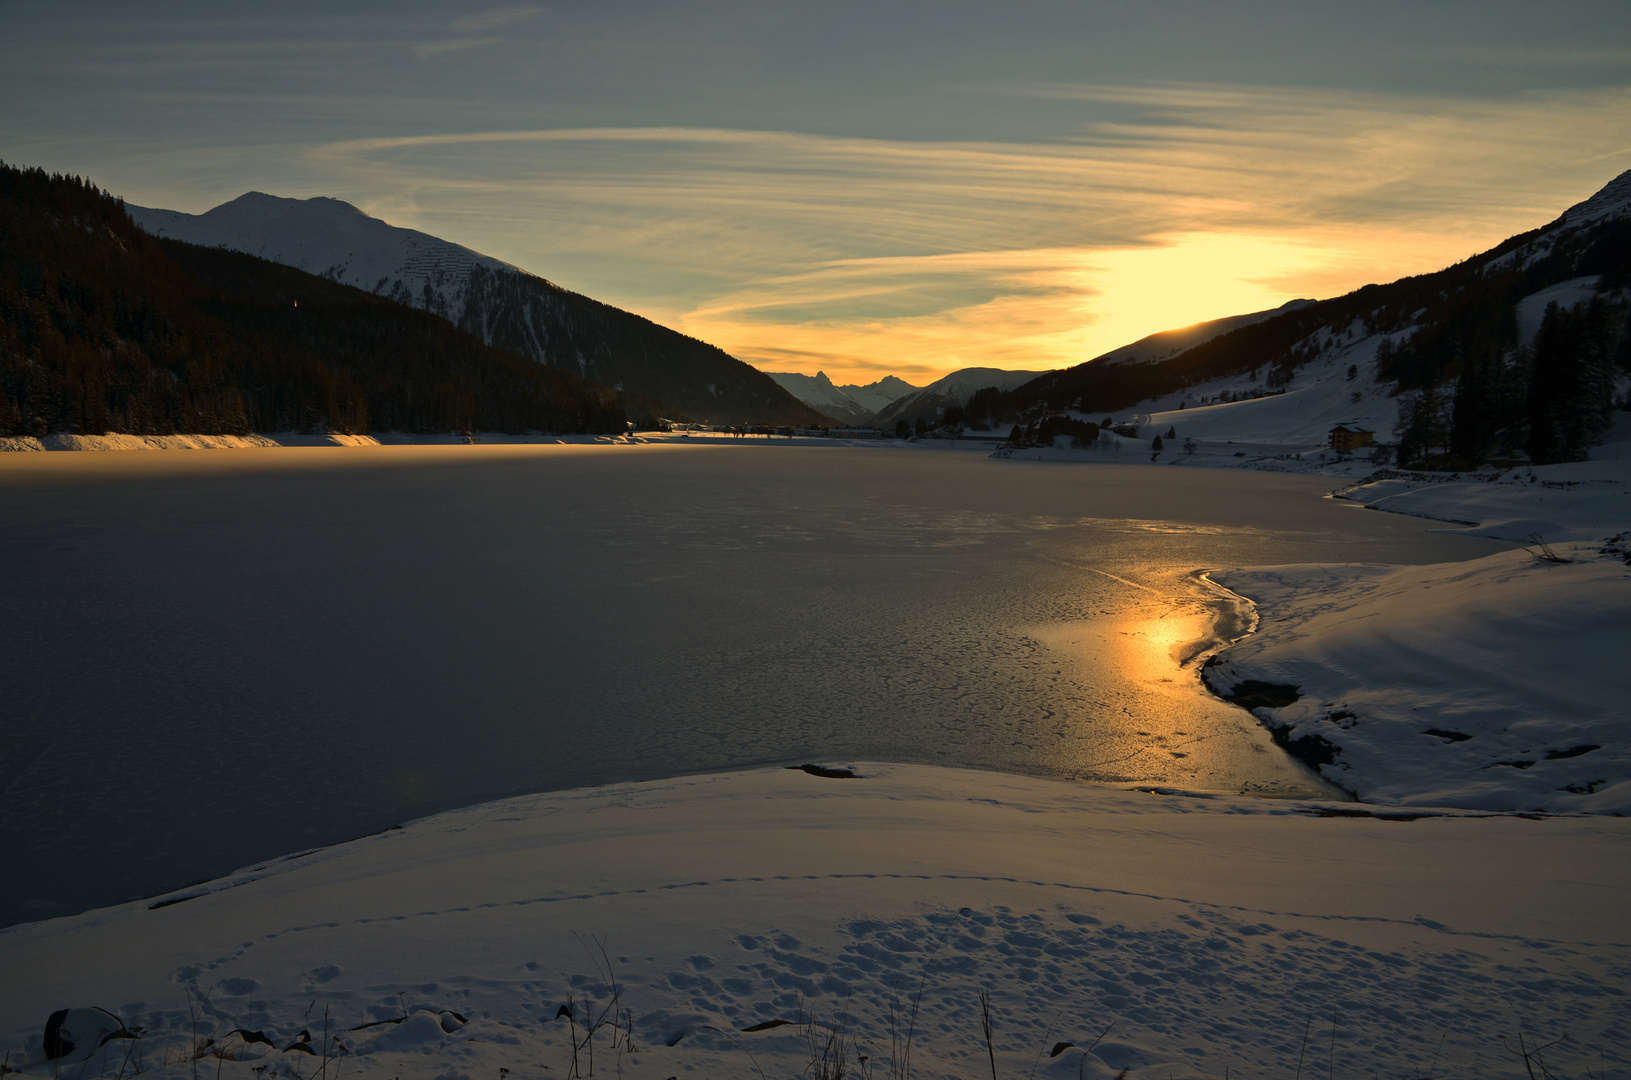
column 1499, row 683
column 1207, row 935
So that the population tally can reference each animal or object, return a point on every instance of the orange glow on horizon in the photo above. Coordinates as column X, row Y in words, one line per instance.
column 1064, row 307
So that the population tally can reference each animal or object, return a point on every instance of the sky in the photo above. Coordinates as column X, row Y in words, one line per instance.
column 862, row 189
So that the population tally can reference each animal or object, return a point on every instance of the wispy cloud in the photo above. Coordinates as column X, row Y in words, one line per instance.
column 436, row 48
column 481, row 22
column 864, row 255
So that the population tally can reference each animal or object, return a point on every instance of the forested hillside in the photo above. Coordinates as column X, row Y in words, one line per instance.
column 104, row 328
column 539, row 319
column 1450, row 341
column 502, row 305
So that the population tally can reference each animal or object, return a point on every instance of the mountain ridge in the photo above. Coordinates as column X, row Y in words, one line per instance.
column 852, row 405
column 105, row 328
column 954, row 389
column 501, row 304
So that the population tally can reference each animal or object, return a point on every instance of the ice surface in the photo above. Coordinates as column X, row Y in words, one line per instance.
column 237, row 655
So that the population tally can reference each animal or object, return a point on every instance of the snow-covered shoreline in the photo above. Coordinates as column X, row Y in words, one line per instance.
column 1212, row 931
column 1495, row 684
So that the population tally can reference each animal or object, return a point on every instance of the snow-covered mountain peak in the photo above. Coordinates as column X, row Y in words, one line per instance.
column 252, row 204
column 953, row 389
column 1613, row 200
column 499, row 303
column 964, row 382
column 334, row 239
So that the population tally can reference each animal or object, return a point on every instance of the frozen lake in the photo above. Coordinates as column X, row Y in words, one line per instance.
column 209, row 658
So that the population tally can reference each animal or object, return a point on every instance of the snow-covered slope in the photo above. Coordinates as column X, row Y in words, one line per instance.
column 1565, row 294
column 332, row 239
column 1614, row 200
column 1611, row 203
column 953, row 389
column 503, row 305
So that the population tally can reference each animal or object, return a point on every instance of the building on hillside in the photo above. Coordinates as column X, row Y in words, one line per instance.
column 1345, row 438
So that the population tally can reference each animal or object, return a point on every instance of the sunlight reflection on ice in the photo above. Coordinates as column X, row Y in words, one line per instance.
column 241, row 655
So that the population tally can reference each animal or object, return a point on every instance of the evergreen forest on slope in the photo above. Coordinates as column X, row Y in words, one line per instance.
column 104, row 328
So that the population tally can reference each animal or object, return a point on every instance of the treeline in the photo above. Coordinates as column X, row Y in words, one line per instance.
column 105, row 329
column 1552, row 400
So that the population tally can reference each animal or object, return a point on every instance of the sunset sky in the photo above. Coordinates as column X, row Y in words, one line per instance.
column 864, row 189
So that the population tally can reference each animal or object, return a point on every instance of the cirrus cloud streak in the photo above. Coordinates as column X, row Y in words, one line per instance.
column 1166, row 205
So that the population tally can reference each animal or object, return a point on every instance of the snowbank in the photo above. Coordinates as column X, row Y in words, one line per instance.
column 1581, row 501
column 1498, row 683
column 1212, row 933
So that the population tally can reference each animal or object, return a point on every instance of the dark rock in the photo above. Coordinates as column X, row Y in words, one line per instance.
column 822, row 770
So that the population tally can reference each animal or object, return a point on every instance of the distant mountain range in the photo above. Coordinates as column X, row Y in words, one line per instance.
column 951, row 390
column 855, row 406
column 502, row 305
